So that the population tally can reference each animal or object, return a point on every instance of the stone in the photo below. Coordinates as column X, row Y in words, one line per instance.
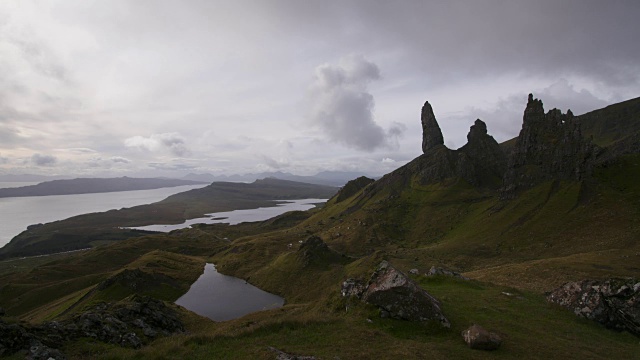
column 396, row 294
column 477, row 337
column 281, row 355
column 444, row 272
column 414, row 272
column 614, row 303
column 352, row 287
column 431, row 133
column 38, row 351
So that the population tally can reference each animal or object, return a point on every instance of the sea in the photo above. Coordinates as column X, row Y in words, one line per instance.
column 16, row 213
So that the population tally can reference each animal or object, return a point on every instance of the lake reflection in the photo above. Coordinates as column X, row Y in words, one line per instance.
column 221, row 297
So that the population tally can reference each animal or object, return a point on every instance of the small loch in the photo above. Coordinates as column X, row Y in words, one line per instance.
column 221, row 297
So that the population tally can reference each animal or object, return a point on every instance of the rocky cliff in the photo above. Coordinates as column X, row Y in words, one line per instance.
column 481, row 162
column 549, row 147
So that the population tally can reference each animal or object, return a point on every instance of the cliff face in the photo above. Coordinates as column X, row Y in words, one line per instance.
column 550, row 146
column 480, row 162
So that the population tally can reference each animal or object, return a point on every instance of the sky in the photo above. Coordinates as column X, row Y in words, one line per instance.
column 166, row 88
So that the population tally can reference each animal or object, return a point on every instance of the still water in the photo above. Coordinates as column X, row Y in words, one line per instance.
column 19, row 212
column 221, row 297
column 238, row 216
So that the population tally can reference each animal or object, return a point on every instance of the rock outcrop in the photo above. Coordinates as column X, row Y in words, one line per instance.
column 487, row 159
column 434, row 271
column 615, row 303
column 549, row 147
column 281, row 355
column 397, row 296
column 130, row 324
column 477, row 337
column 352, row 187
column 481, row 162
column 315, row 252
column 431, row 133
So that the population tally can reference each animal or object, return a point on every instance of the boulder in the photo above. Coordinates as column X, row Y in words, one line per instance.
column 614, row 303
column 479, row 338
column 397, row 296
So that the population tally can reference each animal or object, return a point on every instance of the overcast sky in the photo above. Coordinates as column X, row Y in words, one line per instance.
column 164, row 88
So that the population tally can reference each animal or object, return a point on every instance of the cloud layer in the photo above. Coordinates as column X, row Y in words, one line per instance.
column 236, row 87
column 172, row 142
column 343, row 108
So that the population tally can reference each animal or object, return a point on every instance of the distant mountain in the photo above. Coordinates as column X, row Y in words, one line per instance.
column 29, row 178
column 328, row 178
column 93, row 185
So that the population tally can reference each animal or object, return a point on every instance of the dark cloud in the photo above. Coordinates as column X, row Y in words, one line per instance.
column 342, row 107
column 43, row 160
column 452, row 40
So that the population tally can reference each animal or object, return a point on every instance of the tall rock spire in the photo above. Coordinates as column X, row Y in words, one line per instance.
column 431, row 134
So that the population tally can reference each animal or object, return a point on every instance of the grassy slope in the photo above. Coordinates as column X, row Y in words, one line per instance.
column 551, row 234
column 531, row 328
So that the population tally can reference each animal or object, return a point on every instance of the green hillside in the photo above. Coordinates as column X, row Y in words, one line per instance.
column 576, row 217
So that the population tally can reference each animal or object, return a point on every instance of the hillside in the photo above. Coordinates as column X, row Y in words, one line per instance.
column 87, row 230
column 93, row 185
column 516, row 220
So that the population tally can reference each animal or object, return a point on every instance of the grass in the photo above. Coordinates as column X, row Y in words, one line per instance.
column 530, row 327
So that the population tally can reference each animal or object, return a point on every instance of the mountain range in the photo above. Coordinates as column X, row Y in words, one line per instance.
column 328, row 178
column 93, row 185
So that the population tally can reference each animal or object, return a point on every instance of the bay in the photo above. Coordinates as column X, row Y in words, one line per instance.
column 221, row 297
column 19, row 212
column 238, row 216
